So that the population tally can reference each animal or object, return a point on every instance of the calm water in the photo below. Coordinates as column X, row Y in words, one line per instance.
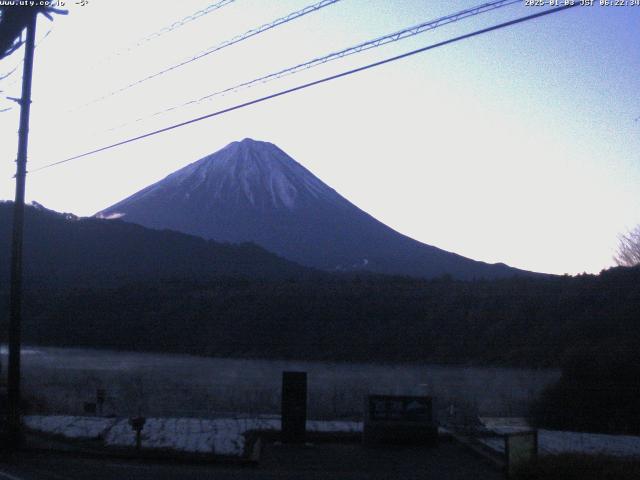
column 61, row 380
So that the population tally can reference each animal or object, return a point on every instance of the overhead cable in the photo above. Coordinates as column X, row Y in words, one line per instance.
column 227, row 43
column 309, row 84
column 370, row 44
column 177, row 24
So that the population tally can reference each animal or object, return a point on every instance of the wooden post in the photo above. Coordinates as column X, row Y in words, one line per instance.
column 294, row 407
column 15, row 299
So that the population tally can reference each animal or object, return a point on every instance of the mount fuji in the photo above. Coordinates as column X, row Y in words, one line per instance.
column 252, row 191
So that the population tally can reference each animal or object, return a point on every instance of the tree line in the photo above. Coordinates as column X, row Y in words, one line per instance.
column 533, row 322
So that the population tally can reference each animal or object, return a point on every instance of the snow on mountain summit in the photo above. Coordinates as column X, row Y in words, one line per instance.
column 250, row 171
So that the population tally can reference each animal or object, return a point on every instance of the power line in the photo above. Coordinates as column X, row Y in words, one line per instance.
column 377, row 42
column 9, row 73
column 175, row 25
column 12, row 70
column 311, row 84
column 40, row 42
column 227, row 43
column 189, row 18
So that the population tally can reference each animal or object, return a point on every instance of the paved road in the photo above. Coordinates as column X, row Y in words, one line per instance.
column 321, row 461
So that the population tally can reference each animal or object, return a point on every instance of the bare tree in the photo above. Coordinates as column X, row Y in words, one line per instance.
column 628, row 253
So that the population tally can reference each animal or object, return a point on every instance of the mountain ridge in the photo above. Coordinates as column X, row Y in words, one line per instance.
column 61, row 249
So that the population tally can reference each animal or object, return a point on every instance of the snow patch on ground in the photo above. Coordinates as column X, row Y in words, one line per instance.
column 552, row 442
column 220, row 436
column 82, row 428
column 4, row 350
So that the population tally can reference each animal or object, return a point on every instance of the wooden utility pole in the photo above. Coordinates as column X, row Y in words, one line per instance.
column 15, row 299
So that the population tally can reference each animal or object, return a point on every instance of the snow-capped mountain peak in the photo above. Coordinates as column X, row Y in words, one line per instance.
column 252, row 172
column 252, row 191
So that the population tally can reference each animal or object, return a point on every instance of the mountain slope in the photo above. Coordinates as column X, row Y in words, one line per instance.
column 64, row 250
column 253, row 191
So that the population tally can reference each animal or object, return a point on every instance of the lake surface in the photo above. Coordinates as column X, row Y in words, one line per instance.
column 62, row 380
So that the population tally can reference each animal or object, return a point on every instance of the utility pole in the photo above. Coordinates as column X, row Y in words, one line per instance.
column 15, row 299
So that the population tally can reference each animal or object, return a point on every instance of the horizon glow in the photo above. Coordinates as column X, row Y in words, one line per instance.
column 519, row 146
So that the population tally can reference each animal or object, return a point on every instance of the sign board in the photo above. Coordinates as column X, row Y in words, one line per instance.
column 399, row 419
column 400, row 408
column 294, row 406
column 520, row 448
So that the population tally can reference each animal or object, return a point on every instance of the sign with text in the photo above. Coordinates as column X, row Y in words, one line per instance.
column 400, row 408
column 399, row 419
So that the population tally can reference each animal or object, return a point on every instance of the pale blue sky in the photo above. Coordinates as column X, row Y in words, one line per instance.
column 519, row 146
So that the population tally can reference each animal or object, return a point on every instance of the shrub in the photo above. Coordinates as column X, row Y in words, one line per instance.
column 579, row 467
column 596, row 393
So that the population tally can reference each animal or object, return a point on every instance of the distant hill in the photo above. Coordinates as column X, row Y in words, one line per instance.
column 62, row 250
column 253, row 191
